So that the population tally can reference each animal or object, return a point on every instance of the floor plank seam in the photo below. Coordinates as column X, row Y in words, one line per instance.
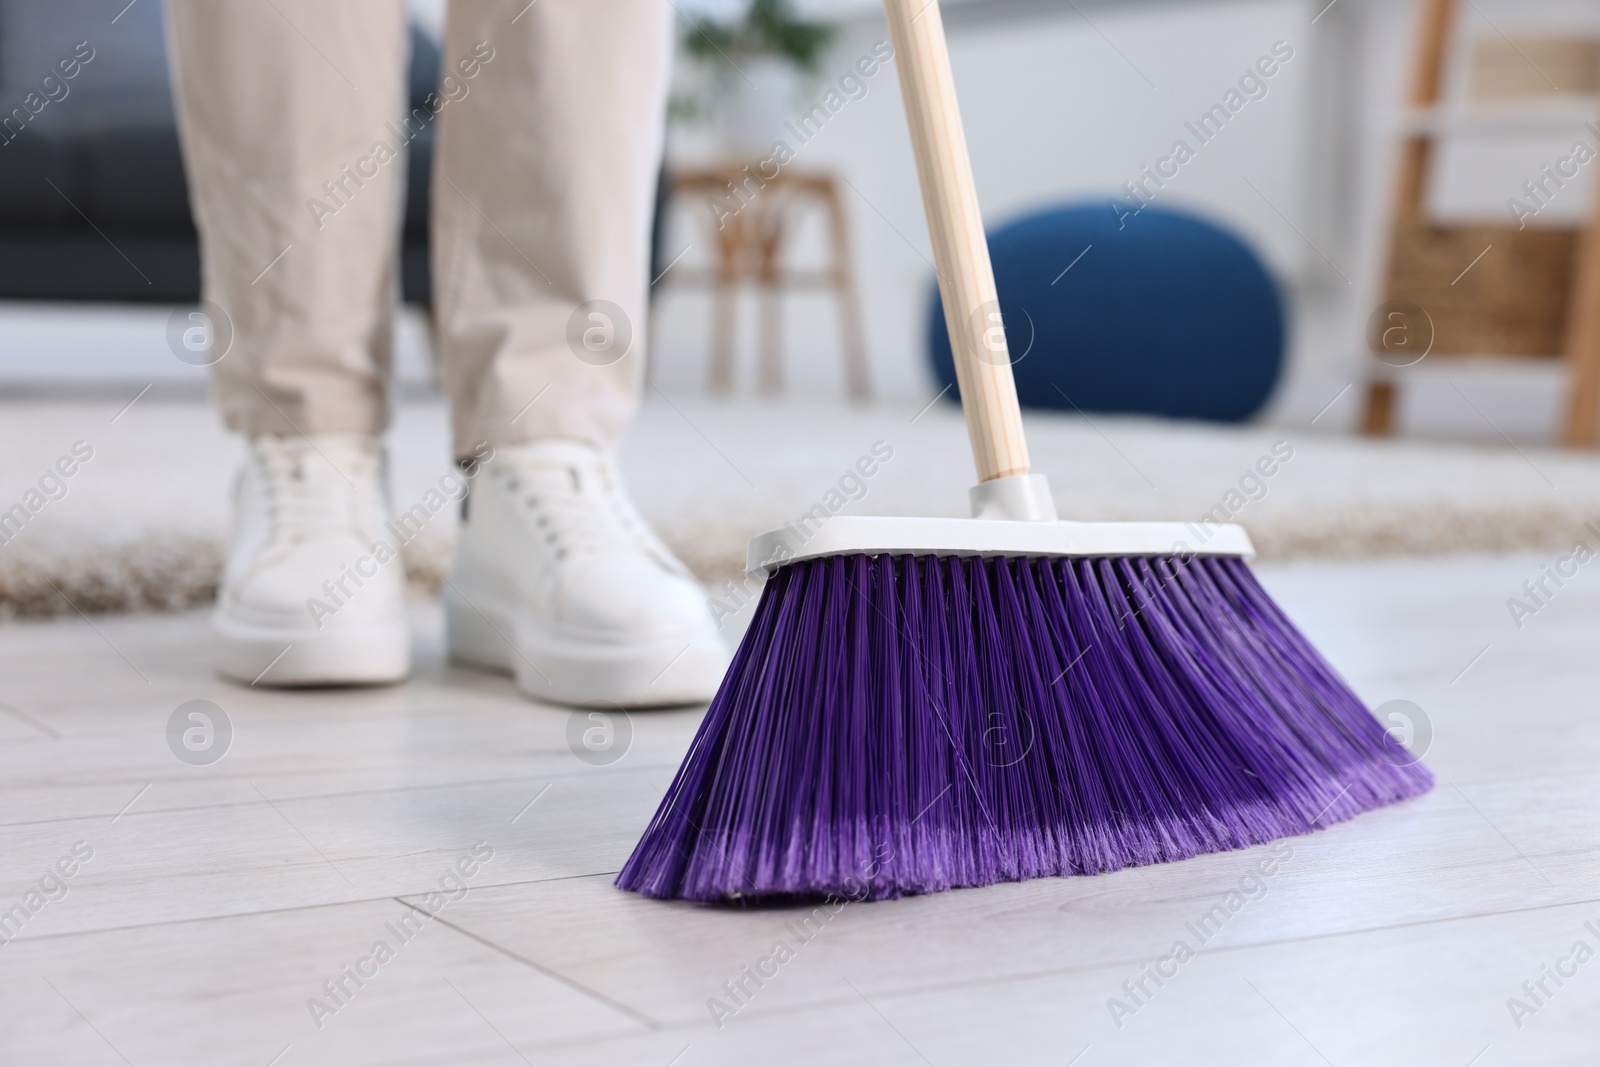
column 670, row 1025
column 616, row 1005
column 564, row 777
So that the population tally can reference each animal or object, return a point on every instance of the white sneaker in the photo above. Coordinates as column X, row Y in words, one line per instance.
column 560, row 581
column 310, row 594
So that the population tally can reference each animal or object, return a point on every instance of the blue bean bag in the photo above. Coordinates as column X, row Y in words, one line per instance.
column 1167, row 315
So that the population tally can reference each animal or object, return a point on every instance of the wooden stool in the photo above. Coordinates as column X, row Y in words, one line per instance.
column 749, row 218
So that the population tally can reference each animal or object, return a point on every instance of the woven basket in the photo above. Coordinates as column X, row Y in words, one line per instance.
column 1513, row 302
column 1508, row 68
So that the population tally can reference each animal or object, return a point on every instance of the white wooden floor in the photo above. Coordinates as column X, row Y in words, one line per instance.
column 219, row 899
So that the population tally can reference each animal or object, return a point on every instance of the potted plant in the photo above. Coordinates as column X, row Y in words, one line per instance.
column 753, row 71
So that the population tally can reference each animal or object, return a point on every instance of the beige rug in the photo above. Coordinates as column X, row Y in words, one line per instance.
column 141, row 522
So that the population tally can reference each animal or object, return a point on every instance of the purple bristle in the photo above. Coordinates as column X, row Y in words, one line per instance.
column 906, row 724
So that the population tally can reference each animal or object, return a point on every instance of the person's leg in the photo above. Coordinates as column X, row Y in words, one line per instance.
column 286, row 110
column 543, row 195
column 280, row 102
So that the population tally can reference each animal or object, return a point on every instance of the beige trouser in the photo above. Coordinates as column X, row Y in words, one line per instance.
column 548, row 142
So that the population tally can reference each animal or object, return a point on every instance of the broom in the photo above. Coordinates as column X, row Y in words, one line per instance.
column 920, row 704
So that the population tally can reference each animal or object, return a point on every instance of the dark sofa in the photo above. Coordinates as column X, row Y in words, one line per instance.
column 93, row 202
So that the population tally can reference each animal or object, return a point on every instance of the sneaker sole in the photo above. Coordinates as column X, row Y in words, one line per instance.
column 369, row 654
column 558, row 668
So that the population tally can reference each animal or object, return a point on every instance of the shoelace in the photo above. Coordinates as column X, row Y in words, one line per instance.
column 579, row 507
column 306, row 495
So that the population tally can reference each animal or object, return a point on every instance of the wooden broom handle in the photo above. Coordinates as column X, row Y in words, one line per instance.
column 960, row 251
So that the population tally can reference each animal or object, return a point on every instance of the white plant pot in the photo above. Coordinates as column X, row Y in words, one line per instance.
column 751, row 114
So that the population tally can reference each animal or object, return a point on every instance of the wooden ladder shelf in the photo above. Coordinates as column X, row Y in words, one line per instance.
column 1537, row 294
